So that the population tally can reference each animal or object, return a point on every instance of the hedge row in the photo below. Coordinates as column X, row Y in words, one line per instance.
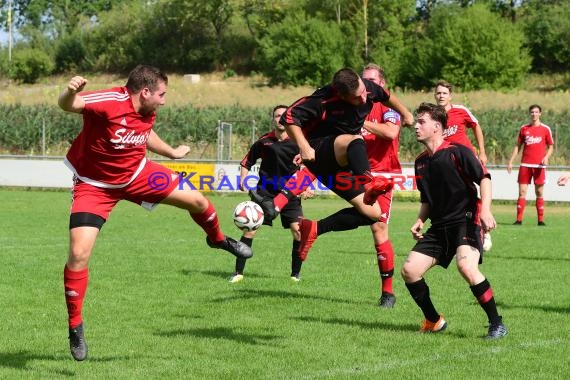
column 21, row 130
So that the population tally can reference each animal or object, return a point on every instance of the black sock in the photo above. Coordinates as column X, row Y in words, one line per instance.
column 420, row 293
column 343, row 220
column 484, row 294
column 240, row 262
column 296, row 262
column 357, row 157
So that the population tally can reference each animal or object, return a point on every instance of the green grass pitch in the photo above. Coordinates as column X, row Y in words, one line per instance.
column 159, row 304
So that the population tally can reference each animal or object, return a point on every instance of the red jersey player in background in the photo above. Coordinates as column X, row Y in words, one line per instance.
column 459, row 119
column 381, row 134
column 537, row 146
column 108, row 161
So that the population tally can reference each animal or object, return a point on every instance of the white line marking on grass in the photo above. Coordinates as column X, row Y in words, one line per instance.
column 360, row 370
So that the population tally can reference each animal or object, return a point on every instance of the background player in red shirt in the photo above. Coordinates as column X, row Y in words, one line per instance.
column 537, row 147
column 459, row 119
column 446, row 176
column 381, row 134
column 109, row 164
column 276, row 152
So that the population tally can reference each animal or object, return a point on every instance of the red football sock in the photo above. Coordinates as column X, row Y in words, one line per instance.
column 208, row 220
column 385, row 255
column 280, row 201
column 75, row 284
column 540, row 209
column 521, row 203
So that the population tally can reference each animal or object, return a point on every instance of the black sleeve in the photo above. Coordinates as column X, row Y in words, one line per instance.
column 253, row 155
column 304, row 111
column 471, row 166
column 376, row 93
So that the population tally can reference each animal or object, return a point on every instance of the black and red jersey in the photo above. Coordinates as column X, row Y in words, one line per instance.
column 324, row 113
column 276, row 159
column 446, row 181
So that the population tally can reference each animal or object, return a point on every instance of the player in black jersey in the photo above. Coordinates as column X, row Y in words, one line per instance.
column 326, row 126
column 446, row 175
column 276, row 152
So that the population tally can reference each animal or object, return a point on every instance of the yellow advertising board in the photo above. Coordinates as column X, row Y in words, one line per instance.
column 198, row 174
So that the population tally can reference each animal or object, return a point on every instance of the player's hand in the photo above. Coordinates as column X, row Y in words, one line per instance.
column 297, row 160
column 308, row 154
column 544, row 162
column 76, row 84
column 180, row 151
column 488, row 222
column 408, row 120
column 309, row 193
column 509, row 168
column 416, row 230
column 563, row 180
column 483, row 158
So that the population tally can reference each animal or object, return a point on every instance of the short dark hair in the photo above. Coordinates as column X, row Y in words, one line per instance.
column 373, row 66
column 435, row 111
column 145, row 76
column 346, row 81
column 444, row 83
column 278, row 107
column 534, row 106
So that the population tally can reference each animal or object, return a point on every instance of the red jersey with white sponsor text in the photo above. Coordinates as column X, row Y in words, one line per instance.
column 535, row 139
column 382, row 153
column 459, row 119
column 110, row 149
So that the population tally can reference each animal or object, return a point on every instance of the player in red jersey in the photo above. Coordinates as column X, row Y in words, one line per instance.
column 276, row 152
column 108, row 161
column 381, row 133
column 459, row 119
column 446, row 176
column 537, row 147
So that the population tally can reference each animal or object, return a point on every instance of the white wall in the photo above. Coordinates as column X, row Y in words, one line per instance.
column 53, row 173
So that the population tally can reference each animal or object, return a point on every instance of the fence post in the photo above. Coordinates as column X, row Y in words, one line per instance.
column 43, row 138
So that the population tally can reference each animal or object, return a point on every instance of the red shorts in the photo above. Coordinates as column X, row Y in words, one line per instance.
column 154, row 183
column 384, row 201
column 538, row 175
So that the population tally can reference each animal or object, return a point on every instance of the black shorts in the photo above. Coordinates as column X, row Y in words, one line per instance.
column 338, row 179
column 290, row 213
column 441, row 242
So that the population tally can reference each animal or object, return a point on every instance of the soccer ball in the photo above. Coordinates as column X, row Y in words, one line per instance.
column 248, row 216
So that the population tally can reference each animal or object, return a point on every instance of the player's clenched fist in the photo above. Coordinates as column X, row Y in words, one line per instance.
column 76, row 84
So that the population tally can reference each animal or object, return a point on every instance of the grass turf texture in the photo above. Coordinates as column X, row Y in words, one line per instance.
column 159, row 304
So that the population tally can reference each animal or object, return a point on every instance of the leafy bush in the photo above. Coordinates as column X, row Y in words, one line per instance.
column 29, row 65
column 470, row 47
column 299, row 51
column 70, row 55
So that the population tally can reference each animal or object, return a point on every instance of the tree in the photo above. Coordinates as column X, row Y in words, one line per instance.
column 547, row 34
column 470, row 47
column 302, row 51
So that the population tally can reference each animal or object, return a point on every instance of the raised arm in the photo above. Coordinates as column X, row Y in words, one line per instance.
column 157, row 145
column 386, row 130
column 396, row 105
column 69, row 100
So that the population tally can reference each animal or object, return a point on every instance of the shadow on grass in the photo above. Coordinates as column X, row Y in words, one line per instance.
column 218, row 274
column 245, row 294
column 529, row 258
column 19, row 360
column 396, row 327
column 220, row 333
column 545, row 308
